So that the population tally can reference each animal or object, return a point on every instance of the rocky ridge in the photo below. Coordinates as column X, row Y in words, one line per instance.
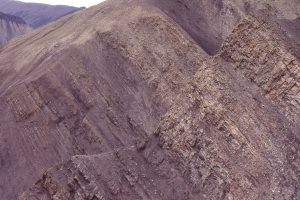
column 132, row 106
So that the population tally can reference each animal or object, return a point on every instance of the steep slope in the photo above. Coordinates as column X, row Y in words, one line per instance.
column 35, row 14
column 266, row 56
column 219, row 17
column 108, row 90
column 120, row 102
column 11, row 26
column 293, row 28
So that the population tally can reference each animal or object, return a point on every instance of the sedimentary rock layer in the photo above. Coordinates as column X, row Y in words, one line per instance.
column 122, row 101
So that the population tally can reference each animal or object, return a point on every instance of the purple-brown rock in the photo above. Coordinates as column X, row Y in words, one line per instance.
column 149, row 99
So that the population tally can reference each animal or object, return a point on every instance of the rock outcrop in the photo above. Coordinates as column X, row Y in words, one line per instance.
column 220, row 17
column 11, row 26
column 124, row 101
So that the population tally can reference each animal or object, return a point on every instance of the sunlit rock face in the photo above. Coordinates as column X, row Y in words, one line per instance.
column 145, row 99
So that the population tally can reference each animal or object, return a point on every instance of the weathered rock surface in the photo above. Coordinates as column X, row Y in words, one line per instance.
column 266, row 56
column 131, row 106
column 10, row 27
column 220, row 17
column 35, row 14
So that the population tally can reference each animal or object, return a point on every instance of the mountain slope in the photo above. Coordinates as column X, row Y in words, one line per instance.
column 89, row 96
column 35, row 14
column 219, row 17
column 11, row 26
column 121, row 102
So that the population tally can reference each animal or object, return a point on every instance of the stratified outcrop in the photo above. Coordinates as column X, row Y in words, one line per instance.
column 11, row 26
column 123, row 101
column 35, row 14
column 209, row 23
column 266, row 56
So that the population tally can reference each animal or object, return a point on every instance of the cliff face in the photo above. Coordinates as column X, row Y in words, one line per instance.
column 121, row 101
column 11, row 26
column 35, row 14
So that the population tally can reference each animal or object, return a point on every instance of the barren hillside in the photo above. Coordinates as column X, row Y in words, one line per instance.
column 10, row 27
column 35, row 14
column 148, row 99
